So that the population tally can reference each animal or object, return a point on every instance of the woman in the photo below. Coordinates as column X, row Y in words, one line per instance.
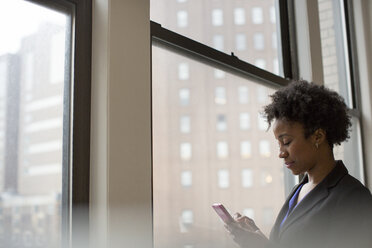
column 328, row 208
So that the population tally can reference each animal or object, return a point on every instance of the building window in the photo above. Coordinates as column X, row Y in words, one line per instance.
column 186, row 220
column 218, row 42
column 185, row 124
column 257, row 15
column 272, row 14
column 186, row 178
column 184, row 95
column 274, row 40
column 221, row 124
column 276, row 66
column 261, row 94
column 240, row 42
column 266, row 178
column 222, row 150
column 220, row 96
column 259, row 41
column 244, row 121
column 217, row 17
column 185, row 151
column 218, row 73
column 262, row 123
column 223, row 179
column 268, row 216
column 249, row 212
column 239, row 16
column 245, row 149
column 260, row 63
column 243, row 93
column 57, row 70
column 182, row 18
column 247, row 178
column 264, row 147
column 183, row 71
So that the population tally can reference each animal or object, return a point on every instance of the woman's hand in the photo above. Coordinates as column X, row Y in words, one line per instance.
column 245, row 232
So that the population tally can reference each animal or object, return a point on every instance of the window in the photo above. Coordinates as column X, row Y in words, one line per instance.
column 40, row 85
column 218, row 42
column 262, row 123
column 214, row 143
column 186, row 220
column 240, row 42
column 184, row 95
column 258, row 41
column 243, row 93
column 257, row 15
column 272, row 15
column 221, row 124
column 223, row 179
column 182, row 19
column 261, row 95
column 217, row 17
column 185, row 151
column 245, row 149
column 183, row 71
column 220, row 96
column 185, row 124
column 218, row 74
column 264, row 147
column 186, row 178
column 220, row 93
column 268, row 216
column 247, row 178
column 222, row 150
column 239, row 16
column 244, row 121
column 274, row 40
column 260, row 63
column 266, row 178
column 249, row 212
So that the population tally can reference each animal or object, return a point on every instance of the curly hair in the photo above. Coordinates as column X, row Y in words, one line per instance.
column 314, row 107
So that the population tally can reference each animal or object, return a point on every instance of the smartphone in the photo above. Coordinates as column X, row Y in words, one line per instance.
column 223, row 213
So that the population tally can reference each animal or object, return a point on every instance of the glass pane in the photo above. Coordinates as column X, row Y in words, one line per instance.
column 238, row 166
column 350, row 152
column 336, row 70
column 32, row 76
column 249, row 29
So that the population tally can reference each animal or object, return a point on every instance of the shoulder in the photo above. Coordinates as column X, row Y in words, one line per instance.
column 351, row 195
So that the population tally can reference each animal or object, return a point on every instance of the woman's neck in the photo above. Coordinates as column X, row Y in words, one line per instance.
column 321, row 169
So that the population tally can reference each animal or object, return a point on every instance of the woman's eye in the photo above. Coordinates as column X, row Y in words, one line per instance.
column 287, row 143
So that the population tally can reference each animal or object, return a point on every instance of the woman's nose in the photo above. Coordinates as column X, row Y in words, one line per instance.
column 283, row 154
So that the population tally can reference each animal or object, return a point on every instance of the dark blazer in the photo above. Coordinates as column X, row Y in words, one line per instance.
column 337, row 213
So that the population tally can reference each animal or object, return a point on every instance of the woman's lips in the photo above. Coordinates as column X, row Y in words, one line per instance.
column 289, row 164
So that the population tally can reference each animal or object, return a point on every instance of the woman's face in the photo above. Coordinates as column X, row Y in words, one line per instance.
column 298, row 153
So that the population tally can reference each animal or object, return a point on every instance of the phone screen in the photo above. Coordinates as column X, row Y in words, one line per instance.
column 223, row 213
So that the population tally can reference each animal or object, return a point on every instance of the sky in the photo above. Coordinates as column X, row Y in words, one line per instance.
column 19, row 18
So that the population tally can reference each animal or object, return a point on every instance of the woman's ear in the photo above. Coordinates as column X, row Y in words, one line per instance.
column 319, row 136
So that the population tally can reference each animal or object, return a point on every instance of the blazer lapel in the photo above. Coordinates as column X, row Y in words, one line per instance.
column 315, row 196
column 275, row 230
column 320, row 192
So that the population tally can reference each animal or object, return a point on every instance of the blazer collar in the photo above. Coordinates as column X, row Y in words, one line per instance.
column 317, row 194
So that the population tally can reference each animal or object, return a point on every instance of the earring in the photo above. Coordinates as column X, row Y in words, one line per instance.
column 316, row 145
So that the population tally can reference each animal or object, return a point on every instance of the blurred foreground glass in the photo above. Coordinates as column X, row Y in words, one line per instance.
column 225, row 156
column 34, row 71
column 249, row 29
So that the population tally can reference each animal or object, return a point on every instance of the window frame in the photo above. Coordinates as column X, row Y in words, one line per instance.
column 76, row 122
